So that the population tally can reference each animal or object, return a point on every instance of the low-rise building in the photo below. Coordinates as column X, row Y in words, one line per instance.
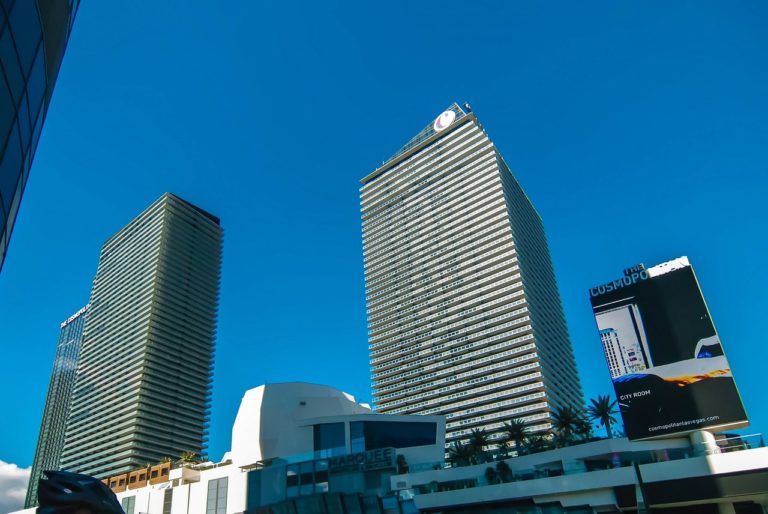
column 295, row 444
column 303, row 448
column 673, row 476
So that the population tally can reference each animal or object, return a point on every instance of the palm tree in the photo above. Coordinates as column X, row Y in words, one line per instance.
column 583, row 428
column 516, row 433
column 505, row 446
column 189, row 457
column 602, row 409
column 537, row 442
column 478, row 440
column 460, row 454
column 491, row 476
column 561, row 439
column 402, row 464
column 503, row 471
column 565, row 420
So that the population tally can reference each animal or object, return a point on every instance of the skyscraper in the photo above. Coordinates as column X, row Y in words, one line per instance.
column 51, row 438
column 33, row 36
column 464, row 315
column 144, row 377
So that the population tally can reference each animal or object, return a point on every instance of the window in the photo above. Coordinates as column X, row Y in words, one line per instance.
column 217, row 496
column 328, row 436
column 129, row 504
column 153, row 474
column 371, row 435
column 167, row 501
column 292, row 476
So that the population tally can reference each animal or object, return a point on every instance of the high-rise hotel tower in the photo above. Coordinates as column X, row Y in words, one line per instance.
column 464, row 315
column 144, row 377
column 57, row 402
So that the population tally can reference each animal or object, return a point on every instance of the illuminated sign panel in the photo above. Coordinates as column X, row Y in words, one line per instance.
column 668, row 367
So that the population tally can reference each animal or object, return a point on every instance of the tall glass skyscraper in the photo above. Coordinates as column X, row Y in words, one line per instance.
column 464, row 314
column 33, row 36
column 57, row 402
column 144, row 378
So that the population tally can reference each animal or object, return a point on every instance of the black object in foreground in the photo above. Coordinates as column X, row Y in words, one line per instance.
column 72, row 493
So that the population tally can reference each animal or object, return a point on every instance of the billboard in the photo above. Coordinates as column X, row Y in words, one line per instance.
column 667, row 364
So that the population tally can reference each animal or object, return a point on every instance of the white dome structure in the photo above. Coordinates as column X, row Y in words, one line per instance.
column 276, row 420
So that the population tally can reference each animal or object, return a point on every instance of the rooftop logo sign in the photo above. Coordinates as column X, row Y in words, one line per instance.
column 444, row 121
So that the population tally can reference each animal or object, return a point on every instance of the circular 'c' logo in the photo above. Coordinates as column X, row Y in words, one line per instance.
column 444, row 120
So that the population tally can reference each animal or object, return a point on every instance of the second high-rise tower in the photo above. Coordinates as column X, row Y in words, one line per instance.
column 464, row 315
column 144, row 376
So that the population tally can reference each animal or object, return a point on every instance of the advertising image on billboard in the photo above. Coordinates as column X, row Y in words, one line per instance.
column 667, row 365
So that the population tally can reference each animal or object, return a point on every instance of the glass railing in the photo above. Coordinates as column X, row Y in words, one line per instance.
column 495, row 468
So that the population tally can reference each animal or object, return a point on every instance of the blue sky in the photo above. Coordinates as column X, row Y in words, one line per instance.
column 639, row 131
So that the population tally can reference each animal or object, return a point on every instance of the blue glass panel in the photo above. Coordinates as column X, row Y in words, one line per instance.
column 328, row 436
column 8, row 4
column 36, row 83
column 25, row 129
column 397, row 434
column 38, row 126
column 7, row 111
column 11, row 65
column 357, row 436
column 25, row 25
column 2, row 243
column 14, row 209
column 10, row 168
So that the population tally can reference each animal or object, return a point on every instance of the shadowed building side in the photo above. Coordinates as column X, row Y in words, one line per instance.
column 144, row 379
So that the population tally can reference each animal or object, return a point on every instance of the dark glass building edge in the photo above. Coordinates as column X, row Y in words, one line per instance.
column 50, row 441
column 33, row 36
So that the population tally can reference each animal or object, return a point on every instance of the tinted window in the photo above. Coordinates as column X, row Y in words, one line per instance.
column 10, row 168
column 329, row 436
column 129, row 504
column 7, row 111
column 25, row 25
column 217, row 496
column 36, row 84
column 11, row 65
column 391, row 434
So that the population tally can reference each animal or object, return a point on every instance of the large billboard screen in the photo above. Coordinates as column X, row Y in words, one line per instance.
column 668, row 367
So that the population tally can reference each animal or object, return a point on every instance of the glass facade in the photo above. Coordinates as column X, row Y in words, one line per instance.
column 57, row 402
column 372, row 435
column 33, row 35
column 329, row 436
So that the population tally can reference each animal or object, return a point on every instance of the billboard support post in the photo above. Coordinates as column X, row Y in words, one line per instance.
column 703, row 443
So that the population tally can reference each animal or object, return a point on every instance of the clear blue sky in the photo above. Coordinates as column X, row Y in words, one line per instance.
column 638, row 129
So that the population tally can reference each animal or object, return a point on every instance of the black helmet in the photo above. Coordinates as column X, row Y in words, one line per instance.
column 72, row 493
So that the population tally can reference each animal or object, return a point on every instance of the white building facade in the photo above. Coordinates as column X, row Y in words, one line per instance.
column 464, row 314
column 301, row 444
